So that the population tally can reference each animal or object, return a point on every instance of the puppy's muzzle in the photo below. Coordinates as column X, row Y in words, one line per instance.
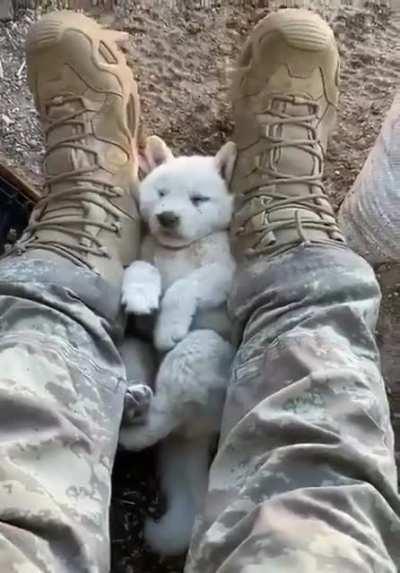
column 168, row 219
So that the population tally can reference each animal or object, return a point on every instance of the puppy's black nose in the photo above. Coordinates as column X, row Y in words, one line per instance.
column 168, row 219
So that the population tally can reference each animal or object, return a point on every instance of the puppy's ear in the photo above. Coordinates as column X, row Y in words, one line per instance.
column 155, row 153
column 225, row 160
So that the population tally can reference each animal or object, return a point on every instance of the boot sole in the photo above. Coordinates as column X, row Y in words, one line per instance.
column 99, row 53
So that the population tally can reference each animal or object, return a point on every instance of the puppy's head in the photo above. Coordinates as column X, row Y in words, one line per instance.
column 186, row 198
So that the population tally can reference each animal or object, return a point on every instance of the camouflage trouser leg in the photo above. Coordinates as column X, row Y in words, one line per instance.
column 61, row 394
column 305, row 478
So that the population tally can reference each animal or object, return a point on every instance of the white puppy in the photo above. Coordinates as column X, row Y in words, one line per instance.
column 184, row 275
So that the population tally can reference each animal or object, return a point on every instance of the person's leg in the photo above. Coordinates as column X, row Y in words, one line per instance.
column 304, row 479
column 62, row 381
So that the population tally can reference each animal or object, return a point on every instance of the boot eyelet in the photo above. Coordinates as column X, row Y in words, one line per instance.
column 257, row 163
column 104, row 252
column 116, row 226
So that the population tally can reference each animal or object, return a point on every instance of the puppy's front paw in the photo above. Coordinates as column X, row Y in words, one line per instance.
column 139, row 300
column 136, row 403
column 141, row 288
column 169, row 331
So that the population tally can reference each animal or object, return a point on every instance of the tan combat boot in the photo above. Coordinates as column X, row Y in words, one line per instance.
column 89, row 109
column 285, row 94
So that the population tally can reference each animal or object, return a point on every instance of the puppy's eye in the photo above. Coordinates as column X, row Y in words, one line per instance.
column 162, row 192
column 199, row 199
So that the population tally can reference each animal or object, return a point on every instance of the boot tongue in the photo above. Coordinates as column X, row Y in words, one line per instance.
column 64, row 158
column 294, row 160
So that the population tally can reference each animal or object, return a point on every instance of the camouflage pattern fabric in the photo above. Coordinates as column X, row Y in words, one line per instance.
column 62, row 386
column 305, row 478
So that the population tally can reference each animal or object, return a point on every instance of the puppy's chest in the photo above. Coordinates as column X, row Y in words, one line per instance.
column 177, row 264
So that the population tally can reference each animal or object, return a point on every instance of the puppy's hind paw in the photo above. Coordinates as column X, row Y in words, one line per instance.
column 136, row 404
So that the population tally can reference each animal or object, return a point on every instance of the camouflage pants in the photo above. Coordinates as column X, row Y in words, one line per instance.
column 304, row 479
column 61, row 394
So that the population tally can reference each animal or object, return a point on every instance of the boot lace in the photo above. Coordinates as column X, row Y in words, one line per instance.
column 84, row 190
column 265, row 200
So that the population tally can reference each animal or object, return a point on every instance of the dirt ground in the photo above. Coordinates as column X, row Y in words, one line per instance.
column 182, row 53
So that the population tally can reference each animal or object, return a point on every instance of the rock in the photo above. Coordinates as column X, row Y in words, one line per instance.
column 6, row 10
column 6, row 120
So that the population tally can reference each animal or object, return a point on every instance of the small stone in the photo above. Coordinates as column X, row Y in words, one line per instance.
column 5, row 119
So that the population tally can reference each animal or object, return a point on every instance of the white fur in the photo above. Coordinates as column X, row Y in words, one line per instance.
column 145, row 281
column 182, row 179
column 184, row 468
column 186, row 274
